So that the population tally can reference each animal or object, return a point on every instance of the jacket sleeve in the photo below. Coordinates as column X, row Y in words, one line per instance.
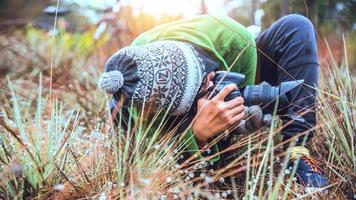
column 249, row 67
column 247, row 61
column 193, row 148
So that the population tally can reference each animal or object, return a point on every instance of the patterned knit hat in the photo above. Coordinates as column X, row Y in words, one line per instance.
column 167, row 73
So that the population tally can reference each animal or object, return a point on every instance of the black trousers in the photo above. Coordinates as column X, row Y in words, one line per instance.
column 287, row 51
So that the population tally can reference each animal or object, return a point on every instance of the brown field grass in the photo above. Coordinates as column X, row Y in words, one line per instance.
column 58, row 142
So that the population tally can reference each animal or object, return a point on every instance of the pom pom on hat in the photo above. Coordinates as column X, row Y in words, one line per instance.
column 111, row 82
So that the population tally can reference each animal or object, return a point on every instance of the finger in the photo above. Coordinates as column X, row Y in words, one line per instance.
column 235, row 111
column 238, row 101
column 211, row 76
column 238, row 117
column 205, row 95
column 225, row 91
column 202, row 101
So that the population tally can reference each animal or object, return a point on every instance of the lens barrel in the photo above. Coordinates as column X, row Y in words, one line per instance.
column 259, row 94
column 263, row 95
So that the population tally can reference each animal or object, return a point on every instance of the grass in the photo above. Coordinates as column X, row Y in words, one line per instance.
column 62, row 145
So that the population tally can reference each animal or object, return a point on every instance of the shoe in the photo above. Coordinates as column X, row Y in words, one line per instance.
column 308, row 172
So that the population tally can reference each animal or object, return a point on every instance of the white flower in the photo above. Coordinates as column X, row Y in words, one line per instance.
column 59, row 187
column 203, row 163
column 208, row 179
column 191, row 175
column 102, row 196
column 174, row 190
column 95, row 134
column 224, row 194
column 169, row 179
column 110, row 184
column 145, row 181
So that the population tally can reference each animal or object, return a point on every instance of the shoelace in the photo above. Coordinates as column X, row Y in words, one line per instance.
column 312, row 163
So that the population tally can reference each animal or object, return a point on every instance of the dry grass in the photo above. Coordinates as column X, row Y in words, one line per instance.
column 62, row 145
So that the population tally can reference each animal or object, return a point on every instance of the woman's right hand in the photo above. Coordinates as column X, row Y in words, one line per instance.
column 215, row 116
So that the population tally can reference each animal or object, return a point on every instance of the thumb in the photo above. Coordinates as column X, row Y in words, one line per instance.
column 255, row 118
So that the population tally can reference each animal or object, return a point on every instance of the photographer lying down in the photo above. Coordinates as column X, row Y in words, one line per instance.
column 207, row 66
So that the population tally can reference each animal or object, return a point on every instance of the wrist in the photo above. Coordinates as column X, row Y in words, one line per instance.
column 199, row 137
column 201, row 141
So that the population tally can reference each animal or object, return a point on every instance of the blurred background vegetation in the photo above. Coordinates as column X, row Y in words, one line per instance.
column 53, row 52
column 123, row 20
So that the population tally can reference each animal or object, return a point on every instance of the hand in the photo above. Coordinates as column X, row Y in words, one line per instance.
column 214, row 116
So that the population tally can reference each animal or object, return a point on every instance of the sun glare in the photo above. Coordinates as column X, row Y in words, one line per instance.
column 159, row 8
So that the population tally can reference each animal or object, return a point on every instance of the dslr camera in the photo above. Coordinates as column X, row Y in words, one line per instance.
column 263, row 95
column 260, row 100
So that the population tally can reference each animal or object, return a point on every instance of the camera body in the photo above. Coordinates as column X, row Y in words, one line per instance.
column 263, row 95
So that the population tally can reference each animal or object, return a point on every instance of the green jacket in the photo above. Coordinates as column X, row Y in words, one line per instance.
column 220, row 36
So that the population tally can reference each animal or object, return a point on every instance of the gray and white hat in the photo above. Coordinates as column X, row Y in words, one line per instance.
column 167, row 73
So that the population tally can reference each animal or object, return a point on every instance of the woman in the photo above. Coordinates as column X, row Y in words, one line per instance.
column 172, row 66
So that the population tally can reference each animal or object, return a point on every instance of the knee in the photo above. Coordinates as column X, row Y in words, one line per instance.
column 300, row 22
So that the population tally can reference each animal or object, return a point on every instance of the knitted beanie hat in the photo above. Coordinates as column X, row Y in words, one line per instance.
column 167, row 73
